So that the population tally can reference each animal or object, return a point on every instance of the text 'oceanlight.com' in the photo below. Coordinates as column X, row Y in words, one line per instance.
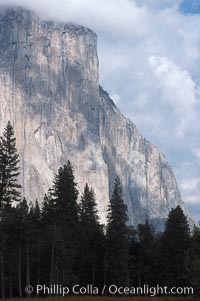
column 112, row 290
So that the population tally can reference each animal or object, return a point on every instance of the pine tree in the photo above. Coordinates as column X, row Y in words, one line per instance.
column 9, row 169
column 117, row 238
column 65, row 194
column 176, row 265
column 88, row 207
column 62, row 204
column 91, row 239
column 9, row 193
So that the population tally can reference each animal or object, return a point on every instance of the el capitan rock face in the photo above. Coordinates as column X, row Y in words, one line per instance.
column 49, row 90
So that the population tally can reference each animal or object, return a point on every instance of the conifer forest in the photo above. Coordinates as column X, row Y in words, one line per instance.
column 62, row 242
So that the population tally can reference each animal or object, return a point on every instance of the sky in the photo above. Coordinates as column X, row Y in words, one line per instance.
column 149, row 54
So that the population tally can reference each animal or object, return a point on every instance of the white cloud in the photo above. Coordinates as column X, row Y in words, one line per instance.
column 149, row 61
column 113, row 16
column 178, row 93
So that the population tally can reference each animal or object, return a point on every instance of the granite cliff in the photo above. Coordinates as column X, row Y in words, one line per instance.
column 49, row 90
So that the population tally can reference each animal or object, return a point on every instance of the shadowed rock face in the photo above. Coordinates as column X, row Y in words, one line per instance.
column 49, row 89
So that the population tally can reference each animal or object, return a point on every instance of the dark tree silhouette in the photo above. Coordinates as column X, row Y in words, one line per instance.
column 176, row 250
column 117, row 238
column 9, row 169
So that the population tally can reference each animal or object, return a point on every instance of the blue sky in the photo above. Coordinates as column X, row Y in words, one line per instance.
column 149, row 52
column 190, row 7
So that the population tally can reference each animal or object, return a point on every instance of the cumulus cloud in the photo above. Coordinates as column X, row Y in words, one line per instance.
column 149, row 62
column 178, row 94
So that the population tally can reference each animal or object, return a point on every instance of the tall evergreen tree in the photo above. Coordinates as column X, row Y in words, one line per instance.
column 9, row 169
column 65, row 193
column 91, row 253
column 62, row 204
column 9, row 193
column 117, row 238
column 88, row 207
column 176, row 263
